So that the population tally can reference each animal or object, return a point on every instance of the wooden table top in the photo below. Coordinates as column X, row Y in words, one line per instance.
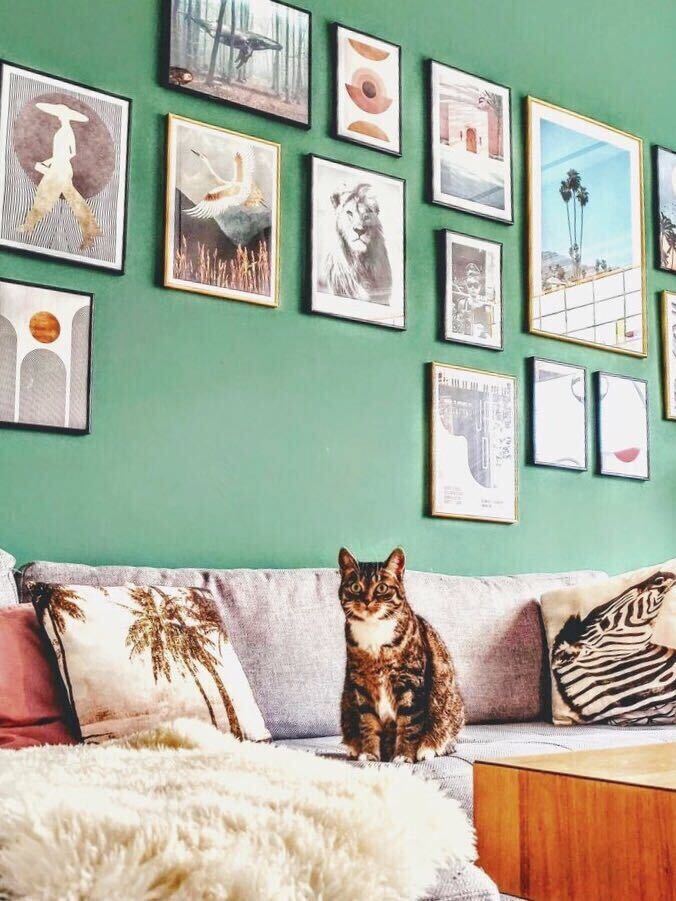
column 652, row 766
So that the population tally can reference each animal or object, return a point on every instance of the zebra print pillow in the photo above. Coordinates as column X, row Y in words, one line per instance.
column 612, row 649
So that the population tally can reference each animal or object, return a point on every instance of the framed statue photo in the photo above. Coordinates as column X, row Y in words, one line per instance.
column 471, row 137
column 669, row 352
column 222, row 213
column 473, row 444
column 358, row 244
column 622, row 429
column 585, row 231
column 63, row 169
column 45, row 357
column 558, row 414
column 368, row 90
column 254, row 54
column 665, row 177
column 473, row 311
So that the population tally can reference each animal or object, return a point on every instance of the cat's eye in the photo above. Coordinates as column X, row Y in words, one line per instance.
column 354, row 588
column 382, row 588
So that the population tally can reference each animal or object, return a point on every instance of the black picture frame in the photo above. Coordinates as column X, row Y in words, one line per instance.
column 61, row 430
column 165, row 62
column 124, row 174
column 335, row 29
column 311, row 157
column 430, row 64
column 657, row 149
column 598, row 376
column 444, row 235
column 532, row 444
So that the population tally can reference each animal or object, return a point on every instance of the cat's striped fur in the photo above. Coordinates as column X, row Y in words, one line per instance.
column 400, row 699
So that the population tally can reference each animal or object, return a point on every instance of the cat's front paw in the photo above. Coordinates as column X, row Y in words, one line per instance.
column 425, row 752
column 370, row 758
column 402, row 758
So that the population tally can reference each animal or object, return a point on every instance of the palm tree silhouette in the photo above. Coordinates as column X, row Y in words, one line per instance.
column 184, row 630
column 58, row 603
column 571, row 188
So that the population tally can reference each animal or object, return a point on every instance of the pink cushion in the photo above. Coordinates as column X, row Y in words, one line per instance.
column 32, row 708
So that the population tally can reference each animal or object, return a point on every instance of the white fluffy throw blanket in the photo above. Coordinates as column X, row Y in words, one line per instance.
column 185, row 812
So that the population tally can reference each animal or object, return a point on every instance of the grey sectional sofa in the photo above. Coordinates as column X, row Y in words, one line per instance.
column 287, row 629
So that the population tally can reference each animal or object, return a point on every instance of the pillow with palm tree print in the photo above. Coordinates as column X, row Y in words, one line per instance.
column 137, row 656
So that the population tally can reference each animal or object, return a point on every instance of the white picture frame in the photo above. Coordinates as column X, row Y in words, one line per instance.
column 357, row 244
column 473, row 444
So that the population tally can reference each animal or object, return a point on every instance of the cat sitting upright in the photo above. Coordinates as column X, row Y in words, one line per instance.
column 400, row 699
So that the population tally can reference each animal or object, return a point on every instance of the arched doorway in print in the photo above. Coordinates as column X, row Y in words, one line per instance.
column 470, row 140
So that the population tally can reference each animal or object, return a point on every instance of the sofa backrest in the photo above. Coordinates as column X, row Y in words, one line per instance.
column 288, row 630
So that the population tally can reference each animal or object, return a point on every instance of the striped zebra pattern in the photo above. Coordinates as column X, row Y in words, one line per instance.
column 607, row 668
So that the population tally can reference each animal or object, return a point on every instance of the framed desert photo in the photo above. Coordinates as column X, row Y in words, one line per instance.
column 63, row 168
column 255, row 54
column 473, row 444
column 669, row 352
column 473, row 291
column 358, row 244
column 558, row 414
column 45, row 357
column 471, row 134
column 222, row 216
column 368, row 90
column 665, row 177
column 585, row 238
column 622, row 429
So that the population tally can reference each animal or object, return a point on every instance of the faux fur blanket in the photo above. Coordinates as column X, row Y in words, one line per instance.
column 186, row 812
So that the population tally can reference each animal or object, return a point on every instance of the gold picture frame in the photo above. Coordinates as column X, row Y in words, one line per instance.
column 578, row 319
column 487, row 444
column 669, row 353
column 222, row 234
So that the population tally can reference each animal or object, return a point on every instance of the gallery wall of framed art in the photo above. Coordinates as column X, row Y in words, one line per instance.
column 335, row 168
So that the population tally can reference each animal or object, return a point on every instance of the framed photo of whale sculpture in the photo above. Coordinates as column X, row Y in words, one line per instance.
column 669, row 352
column 471, row 120
column 358, row 244
column 45, row 357
column 622, row 429
column 473, row 291
column 558, row 414
column 255, row 54
column 368, row 90
column 473, row 444
column 585, row 231
column 222, row 213
column 665, row 176
column 63, row 169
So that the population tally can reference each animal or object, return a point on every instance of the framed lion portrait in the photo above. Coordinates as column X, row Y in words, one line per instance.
column 358, row 244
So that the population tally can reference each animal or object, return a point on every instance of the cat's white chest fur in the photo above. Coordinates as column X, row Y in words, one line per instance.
column 371, row 634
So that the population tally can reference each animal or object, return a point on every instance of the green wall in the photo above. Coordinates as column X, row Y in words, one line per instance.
column 229, row 435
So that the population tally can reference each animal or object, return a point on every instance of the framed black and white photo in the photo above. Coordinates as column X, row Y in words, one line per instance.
column 254, row 54
column 669, row 352
column 665, row 201
column 559, row 414
column 473, row 291
column 471, row 121
column 45, row 357
column 368, row 90
column 358, row 244
column 63, row 168
column 473, row 444
column 622, row 428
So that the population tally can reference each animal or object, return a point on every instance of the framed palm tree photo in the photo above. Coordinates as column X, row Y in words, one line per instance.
column 665, row 178
column 586, row 244
column 222, row 213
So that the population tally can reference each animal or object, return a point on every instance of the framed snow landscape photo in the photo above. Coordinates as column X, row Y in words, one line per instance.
column 471, row 121
column 586, row 243
column 222, row 213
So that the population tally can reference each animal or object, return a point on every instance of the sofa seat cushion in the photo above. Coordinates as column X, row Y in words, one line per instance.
column 486, row 742
column 287, row 628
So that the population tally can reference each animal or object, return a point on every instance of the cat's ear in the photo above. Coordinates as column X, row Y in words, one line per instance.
column 396, row 563
column 346, row 561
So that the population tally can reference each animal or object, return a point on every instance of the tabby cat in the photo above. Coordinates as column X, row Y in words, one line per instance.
column 400, row 699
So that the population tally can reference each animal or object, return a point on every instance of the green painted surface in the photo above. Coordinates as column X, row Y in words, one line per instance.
column 228, row 435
